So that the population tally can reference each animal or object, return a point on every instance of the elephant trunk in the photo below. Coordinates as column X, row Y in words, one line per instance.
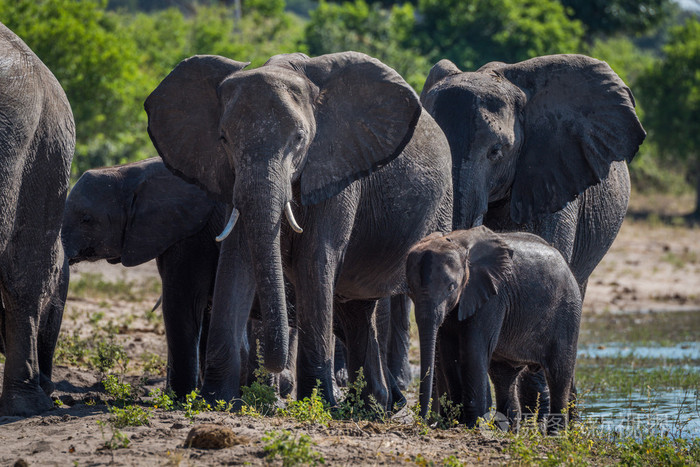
column 427, row 333
column 261, row 215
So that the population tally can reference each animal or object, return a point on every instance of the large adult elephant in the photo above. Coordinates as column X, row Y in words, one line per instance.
column 342, row 140
column 540, row 146
column 37, row 139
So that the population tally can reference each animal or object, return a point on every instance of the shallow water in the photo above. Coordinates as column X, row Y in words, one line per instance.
column 623, row 365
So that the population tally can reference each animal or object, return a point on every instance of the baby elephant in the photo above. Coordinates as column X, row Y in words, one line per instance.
column 501, row 303
column 133, row 213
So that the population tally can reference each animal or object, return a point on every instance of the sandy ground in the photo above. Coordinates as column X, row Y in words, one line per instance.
column 650, row 267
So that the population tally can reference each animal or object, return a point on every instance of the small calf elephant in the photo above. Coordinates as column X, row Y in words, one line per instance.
column 136, row 212
column 494, row 304
column 133, row 213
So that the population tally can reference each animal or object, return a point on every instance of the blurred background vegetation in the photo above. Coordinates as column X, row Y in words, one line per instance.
column 110, row 54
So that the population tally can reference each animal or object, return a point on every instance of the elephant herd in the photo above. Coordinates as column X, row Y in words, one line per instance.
column 336, row 191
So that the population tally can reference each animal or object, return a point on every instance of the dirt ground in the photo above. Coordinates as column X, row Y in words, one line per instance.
column 650, row 267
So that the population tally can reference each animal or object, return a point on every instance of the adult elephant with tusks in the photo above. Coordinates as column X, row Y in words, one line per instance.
column 540, row 146
column 341, row 145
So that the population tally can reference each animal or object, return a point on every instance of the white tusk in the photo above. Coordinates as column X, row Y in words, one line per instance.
column 291, row 219
column 229, row 227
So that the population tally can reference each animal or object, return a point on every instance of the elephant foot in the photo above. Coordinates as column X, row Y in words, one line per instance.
column 341, row 377
column 47, row 385
column 286, row 382
column 25, row 403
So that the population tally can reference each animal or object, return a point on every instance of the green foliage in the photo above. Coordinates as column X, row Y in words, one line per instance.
column 194, row 404
column 117, row 440
column 608, row 17
column 371, row 29
column 260, row 397
column 659, row 450
column 309, row 410
column 474, row 33
column 162, row 399
column 122, row 393
column 292, row 450
column 354, row 407
column 130, row 415
column 108, row 354
column 670, row 92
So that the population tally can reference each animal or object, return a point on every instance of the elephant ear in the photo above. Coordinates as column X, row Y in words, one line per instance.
column 578, row 119
column 183, row 122
column 365, row 115
column 438, row 72
column 164, row 209
column 489, row 264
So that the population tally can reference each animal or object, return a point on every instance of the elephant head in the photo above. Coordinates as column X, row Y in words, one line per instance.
column 247, row 136
column 131, row 213
column 462, row 269
column 536, row 133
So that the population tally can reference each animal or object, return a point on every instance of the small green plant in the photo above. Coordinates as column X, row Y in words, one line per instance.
column 260, row 395
column 451, row 461
column 109, row 354
column 161, row 399
column 194, row 404
column 448, row 416
column 353, row 407
column 117, row 440
column 223, row 406
column 122, row 393
column 71, row 350
column 290, row 449
column 309, row 410
column 418, row 421
column 96, row 317
column 154, row 364
column 130, row 415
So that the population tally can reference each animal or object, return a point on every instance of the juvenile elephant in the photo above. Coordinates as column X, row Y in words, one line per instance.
column 37, row 139
column 342, row 140
column 133, row 213
column 501, row 303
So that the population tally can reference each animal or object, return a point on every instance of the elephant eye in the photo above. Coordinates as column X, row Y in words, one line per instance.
column 495, row 152
column 87, row 218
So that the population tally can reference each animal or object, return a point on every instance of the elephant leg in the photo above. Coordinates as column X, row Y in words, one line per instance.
column 49, row 329
column 448, row 363
column 22, row 393
column 234, row 292
column 340, row 366
column 533, row 393
column 383, row 315
column 474, row 362
column 187, row 282
column 560, row 380
column 287, row 379
column 504, row 378
column 400, row 340
column 359, row 321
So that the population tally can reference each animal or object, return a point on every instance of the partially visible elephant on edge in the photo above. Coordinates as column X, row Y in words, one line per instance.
column 339, row 142
column 540, row 146
column 500, row 303
column 37, row 140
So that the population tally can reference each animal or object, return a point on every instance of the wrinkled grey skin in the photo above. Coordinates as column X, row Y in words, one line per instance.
column 137, row 212
column 345, row 140
column 540, row 146
column 493, row 304
column 37, row 139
